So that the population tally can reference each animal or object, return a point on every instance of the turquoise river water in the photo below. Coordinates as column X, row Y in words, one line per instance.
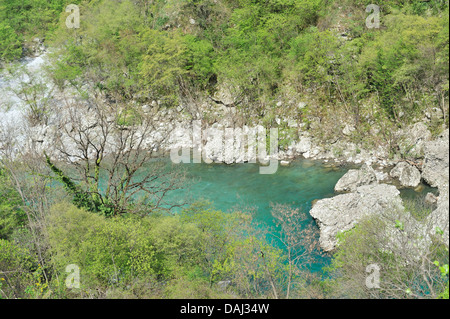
column 240, row 186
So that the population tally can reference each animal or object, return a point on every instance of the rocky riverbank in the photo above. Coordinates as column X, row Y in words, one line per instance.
column 368, row 196
column 220, row 122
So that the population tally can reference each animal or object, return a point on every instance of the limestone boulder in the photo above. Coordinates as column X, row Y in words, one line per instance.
column 342, row 212
column 407, row 174
column 354, row 178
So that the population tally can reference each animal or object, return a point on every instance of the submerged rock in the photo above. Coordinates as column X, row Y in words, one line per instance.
column 408, row 175
column 355, row 178
column 431, row 199
column 342, row 212
column 419, row 188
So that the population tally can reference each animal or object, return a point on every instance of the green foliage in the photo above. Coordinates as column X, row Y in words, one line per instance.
column 184, row 255
column 155, row 52
column 23, row 20
column 81, row 198
column 117, row 251
column 444, row 269
column 17, row 265
column 10, row 45
column 215, row 227
column 234, row 250
column 392, row 243
column 318, row 58
column 399, row 225
column 200, row 59
column 14, row 257
column 253, row 265
column 398, row 62
column 258, row 50
column 11, row 214
column 178, row 245
column 445, row 293
column 162, row 64
column 186, row 288
column 68, row 68
column 108, row 251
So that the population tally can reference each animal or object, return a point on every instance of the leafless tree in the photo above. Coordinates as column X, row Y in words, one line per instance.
column 298, row 238
column 112, row 145
column 29, row 176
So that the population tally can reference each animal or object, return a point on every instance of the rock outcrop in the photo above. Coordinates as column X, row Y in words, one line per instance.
column 431, row 199
column 355, row 178
column 439, row 218
column 342, row 212
column 414, row 138
column 303, row 146
column 408, row 175
column 435, row 167
column 436, row 173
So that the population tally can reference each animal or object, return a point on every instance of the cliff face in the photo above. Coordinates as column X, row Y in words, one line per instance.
column 435, row 169
column 436, row 173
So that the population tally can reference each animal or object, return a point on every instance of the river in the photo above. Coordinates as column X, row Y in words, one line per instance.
column 228, row 187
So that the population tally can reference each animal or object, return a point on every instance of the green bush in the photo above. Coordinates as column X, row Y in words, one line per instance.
column 23, row 20
column 405, row 258
column 10, row 43
column 17, row 265
column 11, row 214
column 117, row 251
column 106, row 250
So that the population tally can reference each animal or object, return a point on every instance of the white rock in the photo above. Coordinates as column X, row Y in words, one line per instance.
column 355, row 178
column 301, row 105
column 284, row 163
column 408, row 175
column 342, row 212
column 348, row 130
